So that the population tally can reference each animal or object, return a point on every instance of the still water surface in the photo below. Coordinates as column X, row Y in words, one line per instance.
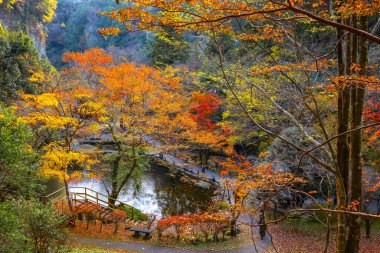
column 160, row 193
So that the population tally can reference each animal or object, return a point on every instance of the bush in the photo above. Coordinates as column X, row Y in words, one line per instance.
column 134, row 213
column 42, row 225
column 12, row 239
column 191, row 227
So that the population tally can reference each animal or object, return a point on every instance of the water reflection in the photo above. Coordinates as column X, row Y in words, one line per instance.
column 160, row 193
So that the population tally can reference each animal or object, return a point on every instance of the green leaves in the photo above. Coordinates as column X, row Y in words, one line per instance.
column 17, row 158
column 11, row 237
column 21, row 66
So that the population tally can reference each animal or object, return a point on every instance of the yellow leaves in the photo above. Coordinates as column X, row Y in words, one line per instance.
column 57, row 159
column 50, row 121
column 103, row 119
column 75, row 176
column 264, row 154
column 40, row 101
column 49, row 8
column 303, row 66
column 91, row 109
column 37, row 77
column 94, row 127
column 92, row 175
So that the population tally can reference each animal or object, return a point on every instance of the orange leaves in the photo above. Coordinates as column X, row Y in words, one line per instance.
column 218, row 15
column 118, row 215
column 267, row 32
column 264, row 154
column 147, row 101
column 252, row 178
column 358, row 7
column 94, row 56
column 87, row 207
column 66, row 110
column 370, row 82
column 90, row 60
column 111, row 31
column 185, row 15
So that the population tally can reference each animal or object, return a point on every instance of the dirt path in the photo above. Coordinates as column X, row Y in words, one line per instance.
column 261, row 246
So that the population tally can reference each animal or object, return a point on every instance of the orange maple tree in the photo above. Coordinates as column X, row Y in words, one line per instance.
column 143, row 110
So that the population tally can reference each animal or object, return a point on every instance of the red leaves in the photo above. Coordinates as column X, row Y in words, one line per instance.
column 203, row 107
column 87, row 207
column 371, row 115
column 189, row 224
column 118, row 215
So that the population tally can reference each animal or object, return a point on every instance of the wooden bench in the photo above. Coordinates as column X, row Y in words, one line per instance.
column 137, row 231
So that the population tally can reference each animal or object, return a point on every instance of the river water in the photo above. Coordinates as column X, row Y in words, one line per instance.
column 161, row 193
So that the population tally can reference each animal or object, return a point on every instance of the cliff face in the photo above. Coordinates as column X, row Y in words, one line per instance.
column 75, row 28
column 29, row 16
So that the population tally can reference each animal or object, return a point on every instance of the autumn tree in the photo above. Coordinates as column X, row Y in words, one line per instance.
column 68, row 109
column 208, row 136
column 143, row 109
column 251, row 180
column 276, row 22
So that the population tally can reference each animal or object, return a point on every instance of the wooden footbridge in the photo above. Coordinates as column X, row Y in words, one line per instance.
column 97, row 204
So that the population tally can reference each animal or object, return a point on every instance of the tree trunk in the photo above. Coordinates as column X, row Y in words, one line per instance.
column 114, row 191
column 341, row 219
column 356, row 192
column 117, row 185
column 262, row 225
column 116, row 227
column 367, row 228
column 342, row 146
column 233, row 227
column 68, row 195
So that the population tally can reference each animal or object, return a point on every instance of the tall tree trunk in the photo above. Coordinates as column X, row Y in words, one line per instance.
column 118, row 185
column 114, row 184
column 356, row 192
column 342, row 146
column 68, row 195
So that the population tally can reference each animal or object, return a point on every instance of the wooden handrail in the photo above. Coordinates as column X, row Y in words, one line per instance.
column 78, row 193
column 99, row 199
column 53, row 193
